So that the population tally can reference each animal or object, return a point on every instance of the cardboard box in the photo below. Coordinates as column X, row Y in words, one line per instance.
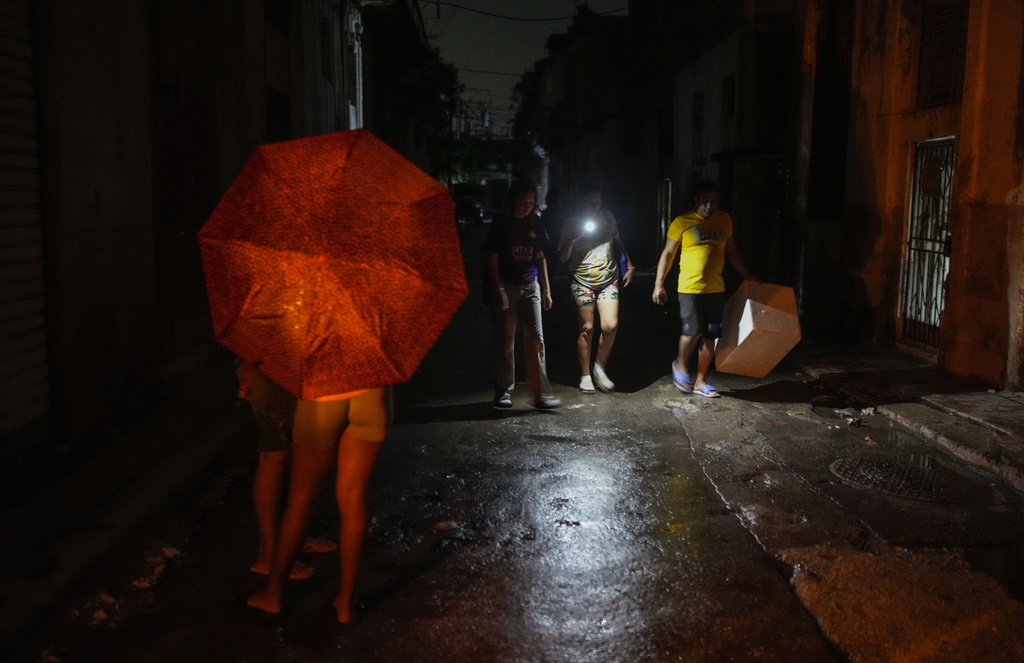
column 759, row 328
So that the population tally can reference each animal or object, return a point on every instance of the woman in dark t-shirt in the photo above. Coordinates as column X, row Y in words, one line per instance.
column 518, row 289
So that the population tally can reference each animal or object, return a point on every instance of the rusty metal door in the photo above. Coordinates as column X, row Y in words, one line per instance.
column 928, row 242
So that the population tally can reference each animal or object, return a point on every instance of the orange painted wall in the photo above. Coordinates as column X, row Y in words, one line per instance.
column 981, row 325
column 981, row 328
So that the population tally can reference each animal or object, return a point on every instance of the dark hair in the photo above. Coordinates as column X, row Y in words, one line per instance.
column 705, row 186
column 518, row 188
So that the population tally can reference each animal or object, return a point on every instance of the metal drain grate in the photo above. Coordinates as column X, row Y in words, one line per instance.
column 914, row 479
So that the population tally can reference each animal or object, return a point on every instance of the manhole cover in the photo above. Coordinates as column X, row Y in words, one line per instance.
column 914, row 479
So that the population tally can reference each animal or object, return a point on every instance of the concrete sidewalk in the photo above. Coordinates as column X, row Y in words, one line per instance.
column 983, row 429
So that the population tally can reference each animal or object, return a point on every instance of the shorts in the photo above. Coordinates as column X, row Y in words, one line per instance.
column 273, row 407
column 272, row 434
column 701, row 314
column 584, row 295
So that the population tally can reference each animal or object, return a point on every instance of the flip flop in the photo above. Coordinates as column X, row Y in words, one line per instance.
column 681, row 380
column 709, row 391
column 300, row 570
column 318, row 545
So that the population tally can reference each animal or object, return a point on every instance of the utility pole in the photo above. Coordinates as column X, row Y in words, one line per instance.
column 801, row 174
column 452, row 119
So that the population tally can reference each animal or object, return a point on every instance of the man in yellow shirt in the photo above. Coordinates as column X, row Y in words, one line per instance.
column 704, row 239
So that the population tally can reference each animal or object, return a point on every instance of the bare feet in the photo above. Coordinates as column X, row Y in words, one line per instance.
column 343, row 609
column 266, row 603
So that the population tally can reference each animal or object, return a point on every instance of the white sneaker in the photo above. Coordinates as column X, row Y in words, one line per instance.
column 601, row 379
column 586, row 385
column 547, row 402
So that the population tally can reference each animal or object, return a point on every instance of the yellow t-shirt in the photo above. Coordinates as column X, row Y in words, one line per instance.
column 701, row 250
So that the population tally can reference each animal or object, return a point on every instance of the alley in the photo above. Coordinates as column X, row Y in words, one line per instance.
column 642, row 525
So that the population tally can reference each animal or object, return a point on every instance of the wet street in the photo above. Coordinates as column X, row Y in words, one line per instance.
column 789, row 520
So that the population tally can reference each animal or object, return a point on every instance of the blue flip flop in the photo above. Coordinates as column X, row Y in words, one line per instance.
column 681, row 380
column 709, row 391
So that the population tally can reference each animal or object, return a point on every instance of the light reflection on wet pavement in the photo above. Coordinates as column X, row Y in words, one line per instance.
column 594, row 537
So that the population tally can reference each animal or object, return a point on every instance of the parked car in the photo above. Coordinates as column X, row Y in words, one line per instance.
column 469, row 209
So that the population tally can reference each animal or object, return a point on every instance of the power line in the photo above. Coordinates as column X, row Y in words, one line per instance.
column 514, row 18
column 493, row 73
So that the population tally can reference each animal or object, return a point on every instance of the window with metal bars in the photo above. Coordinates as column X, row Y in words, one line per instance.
column 940, row 79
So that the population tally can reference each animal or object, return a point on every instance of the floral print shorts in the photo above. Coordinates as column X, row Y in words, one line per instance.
column 584, row 296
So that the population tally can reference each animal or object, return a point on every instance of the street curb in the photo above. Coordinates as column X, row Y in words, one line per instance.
column 1002, row 411
column 980, row 445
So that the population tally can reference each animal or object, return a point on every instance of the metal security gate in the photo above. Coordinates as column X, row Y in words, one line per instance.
column 928, row 242
column 24, row 381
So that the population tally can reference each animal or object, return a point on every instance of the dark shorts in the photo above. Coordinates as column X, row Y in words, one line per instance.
column 272, row 434
column 701, row 314
column 273, row 407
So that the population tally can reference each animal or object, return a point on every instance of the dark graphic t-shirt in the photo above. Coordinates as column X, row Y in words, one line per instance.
column 516, row 241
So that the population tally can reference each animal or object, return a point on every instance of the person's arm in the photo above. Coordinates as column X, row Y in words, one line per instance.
column 567, row 244
column 627, row 278
column 735, row 258
column 660, row 296
column 497, row 296
column 542, row 277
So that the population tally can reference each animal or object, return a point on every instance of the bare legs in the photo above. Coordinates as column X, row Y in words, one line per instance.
column 608, row 311
column 705, row 353
column 351, row 431
column 355, row 462
column 267, row 488
column 309, row 467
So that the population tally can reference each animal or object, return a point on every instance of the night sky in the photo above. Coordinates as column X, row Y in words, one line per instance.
column 498, row 41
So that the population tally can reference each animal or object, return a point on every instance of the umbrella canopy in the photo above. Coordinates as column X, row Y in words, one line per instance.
column 332, row 263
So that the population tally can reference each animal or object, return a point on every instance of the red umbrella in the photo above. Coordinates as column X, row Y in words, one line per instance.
column 332, row 263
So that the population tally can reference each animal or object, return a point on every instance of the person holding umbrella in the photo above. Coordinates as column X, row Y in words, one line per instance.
column 273, row 410
column 305, row 281
column 347, row 428
column 517, row 289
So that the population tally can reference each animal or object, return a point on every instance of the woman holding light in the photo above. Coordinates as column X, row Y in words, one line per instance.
column 588, row 246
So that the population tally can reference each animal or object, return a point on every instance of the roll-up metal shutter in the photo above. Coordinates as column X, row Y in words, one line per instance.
column 24, row 375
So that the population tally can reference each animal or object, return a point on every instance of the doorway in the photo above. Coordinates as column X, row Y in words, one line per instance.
column 928, row 243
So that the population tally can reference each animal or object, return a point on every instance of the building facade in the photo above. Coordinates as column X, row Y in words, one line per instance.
column 123, row 124
column 870, row 152
column 935, row 176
